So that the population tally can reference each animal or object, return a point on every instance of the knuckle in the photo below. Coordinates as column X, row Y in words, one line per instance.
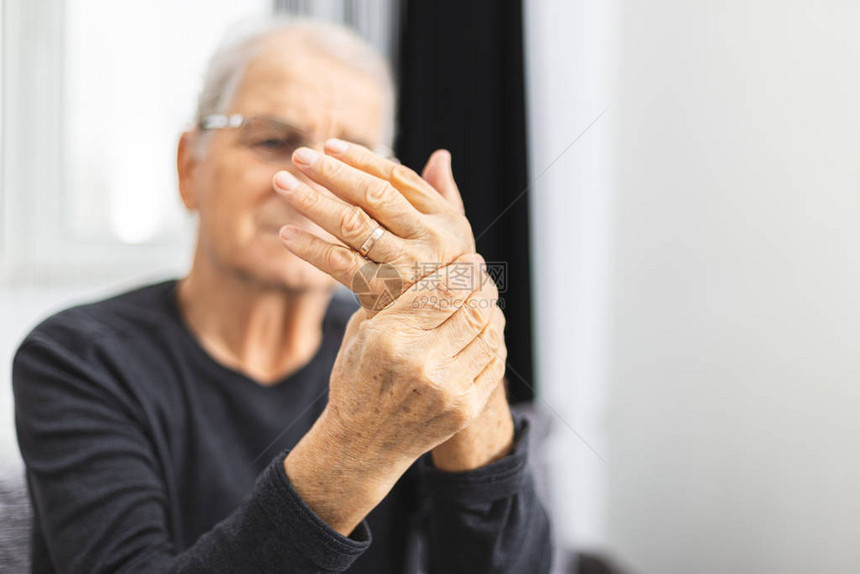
column 498, row 351
column 427, row 373
column 445, row 399
column 386, row 350
column 337, row 257
column 307, row 198
column 388, row 346
column 488, row 355
column 407, row 175
column 473, row 316
column 498, row 366
column 489, row 373
column 330, row 168
column 497, row 324
column 375, row 193
column 499, row 321
column 492, row 338
column 438, row 237
column 502, row 348
column 352, row 221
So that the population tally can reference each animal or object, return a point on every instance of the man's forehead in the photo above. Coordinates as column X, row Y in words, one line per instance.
column 288, row 80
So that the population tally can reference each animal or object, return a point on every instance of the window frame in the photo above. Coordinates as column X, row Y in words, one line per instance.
column 36, row 244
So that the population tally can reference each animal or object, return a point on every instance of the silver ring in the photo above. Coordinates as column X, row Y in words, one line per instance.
column 371, row 239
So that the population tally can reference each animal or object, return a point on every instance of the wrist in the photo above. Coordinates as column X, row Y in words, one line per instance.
column 337, row 477
column 487, row 439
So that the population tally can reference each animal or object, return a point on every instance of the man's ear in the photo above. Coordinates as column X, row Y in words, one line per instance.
column 186, row 164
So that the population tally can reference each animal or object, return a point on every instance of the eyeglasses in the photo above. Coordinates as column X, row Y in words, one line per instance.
column 272, row 140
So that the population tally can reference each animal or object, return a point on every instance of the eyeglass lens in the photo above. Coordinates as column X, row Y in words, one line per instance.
column 273, row 141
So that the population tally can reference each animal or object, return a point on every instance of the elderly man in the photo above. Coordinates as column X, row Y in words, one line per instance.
column 242, row 419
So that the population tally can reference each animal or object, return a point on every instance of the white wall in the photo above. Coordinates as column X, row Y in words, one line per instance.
column 735, row 335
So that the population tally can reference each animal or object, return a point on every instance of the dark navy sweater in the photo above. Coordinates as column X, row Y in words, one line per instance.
column 144, row 454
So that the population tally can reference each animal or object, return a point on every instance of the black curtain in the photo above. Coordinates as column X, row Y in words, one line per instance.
column 461, row 88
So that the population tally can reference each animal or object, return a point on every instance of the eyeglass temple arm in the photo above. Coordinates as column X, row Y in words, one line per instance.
column 221, row 121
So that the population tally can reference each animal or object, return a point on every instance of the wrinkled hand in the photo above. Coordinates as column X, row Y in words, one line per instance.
column 404, row 382
column 428, row 212
column 425, row 225
column 424, row 372
column 408, row 379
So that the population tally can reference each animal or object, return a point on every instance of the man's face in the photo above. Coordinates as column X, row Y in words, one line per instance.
column 231, row 185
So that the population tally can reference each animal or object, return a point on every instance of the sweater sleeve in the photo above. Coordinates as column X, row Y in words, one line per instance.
column 99, row 497
column 487, row 520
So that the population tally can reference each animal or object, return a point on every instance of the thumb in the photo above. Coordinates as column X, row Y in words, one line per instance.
column 438, row 173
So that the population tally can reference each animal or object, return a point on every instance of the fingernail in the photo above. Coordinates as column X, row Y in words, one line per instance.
column 289, row 233
column 305, row 156
column 335, row 145
column 286, row 181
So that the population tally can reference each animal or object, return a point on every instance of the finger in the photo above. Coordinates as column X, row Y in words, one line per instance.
column 438, row 173
column 418, row 192
column 421, row 194
column 340, row 262
column 474, row 357
column 347, row 222
column 360, row 158
column 492, row 375
column 472, row 318
column 376, row 196
column 431, row 301
column 376, row 285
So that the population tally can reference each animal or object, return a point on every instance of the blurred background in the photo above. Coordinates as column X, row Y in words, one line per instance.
column 674, row 186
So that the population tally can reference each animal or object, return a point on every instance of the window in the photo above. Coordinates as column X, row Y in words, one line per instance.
column 95, row 95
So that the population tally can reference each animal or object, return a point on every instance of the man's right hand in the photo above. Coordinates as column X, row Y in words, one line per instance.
column 403, row 382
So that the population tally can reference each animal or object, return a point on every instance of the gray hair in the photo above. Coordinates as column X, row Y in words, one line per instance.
column 243, row 42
